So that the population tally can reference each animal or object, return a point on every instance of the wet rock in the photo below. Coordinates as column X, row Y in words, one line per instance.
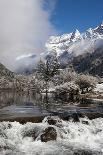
column 85, row 122
column 87, row 152
column 9, row 126
column 49, row 134
column 51, row 121
column 82, row 152
column 3, row 134
column 81, row 115
column 96, row 131
column 30, row 133
column 75, row 117
column 65, row 116
column 5, row 147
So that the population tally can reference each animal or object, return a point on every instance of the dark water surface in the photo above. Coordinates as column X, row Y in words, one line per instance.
column 24, row 107
column 17, row 106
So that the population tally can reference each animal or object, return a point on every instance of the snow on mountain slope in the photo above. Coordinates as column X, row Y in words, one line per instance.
column 74, row 43
column 65, row 47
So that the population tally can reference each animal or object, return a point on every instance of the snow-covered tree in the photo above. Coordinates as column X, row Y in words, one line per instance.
column 67, row 90
column 47, row 69
column 85, row 82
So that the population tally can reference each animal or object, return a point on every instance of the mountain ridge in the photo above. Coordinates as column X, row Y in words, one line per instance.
column 85, row 47
column 66, row 42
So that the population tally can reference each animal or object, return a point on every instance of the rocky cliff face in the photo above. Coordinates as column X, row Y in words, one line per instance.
column 90, row 62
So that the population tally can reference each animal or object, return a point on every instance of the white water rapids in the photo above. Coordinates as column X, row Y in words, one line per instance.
column 73, row 138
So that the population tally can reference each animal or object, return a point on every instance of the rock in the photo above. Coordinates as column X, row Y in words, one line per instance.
column 65, row 116
column 82, row 152
column 6, row 147
column 30, row 133
column 3, row 134
column 75, row 117
column 9, row 126
column 85, row 122
column 81, row 115
column 86, row 152
column 49, row 134
column 51, row 121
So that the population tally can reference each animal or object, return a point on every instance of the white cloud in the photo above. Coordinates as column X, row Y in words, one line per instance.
column 24, row 27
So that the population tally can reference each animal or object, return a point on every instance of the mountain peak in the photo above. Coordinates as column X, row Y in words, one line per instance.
column 75, row 35
column 75, row 42
column 99, row 29
column 76, row 32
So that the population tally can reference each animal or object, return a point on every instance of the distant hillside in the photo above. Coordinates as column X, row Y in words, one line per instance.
column 6, row 78
column 5, row 72
column 90, row 62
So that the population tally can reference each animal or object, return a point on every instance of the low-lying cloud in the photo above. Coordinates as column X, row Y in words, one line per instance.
column 24, row 28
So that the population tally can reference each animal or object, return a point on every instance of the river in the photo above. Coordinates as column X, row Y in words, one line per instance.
column 20, row 114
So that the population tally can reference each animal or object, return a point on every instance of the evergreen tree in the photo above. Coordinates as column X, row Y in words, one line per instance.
column 47, row 69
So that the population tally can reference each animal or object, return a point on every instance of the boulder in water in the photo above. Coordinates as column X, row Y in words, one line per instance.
column 30, row 133
column 75, row 117
column 85, row 122
column 49, row 134
column 51, row 121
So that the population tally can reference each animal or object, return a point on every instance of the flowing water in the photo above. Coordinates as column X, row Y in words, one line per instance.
column 73, row 138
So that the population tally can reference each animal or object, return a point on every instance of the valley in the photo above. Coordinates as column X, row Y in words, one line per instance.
column 56, row 102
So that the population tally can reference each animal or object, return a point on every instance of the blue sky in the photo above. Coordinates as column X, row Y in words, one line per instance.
column 77, row 14
column 26, row 25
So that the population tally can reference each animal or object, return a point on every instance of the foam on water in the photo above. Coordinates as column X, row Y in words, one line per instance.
column 71, row 138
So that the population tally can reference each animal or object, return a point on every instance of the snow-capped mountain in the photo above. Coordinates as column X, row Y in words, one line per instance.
column 74, row 43
column 76, row 48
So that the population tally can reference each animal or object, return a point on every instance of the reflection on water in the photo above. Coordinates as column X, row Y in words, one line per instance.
column 17, row 105
column 14, row 98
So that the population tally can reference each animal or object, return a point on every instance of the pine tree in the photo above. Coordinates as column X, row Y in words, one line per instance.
column 47, row 69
